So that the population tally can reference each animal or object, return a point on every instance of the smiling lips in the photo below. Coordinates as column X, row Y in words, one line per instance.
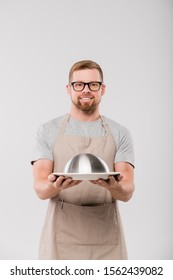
column 85, row 98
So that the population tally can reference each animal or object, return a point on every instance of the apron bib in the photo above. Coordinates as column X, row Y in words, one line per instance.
column 83, row 222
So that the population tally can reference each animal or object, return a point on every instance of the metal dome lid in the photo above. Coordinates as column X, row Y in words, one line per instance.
column 86, row 163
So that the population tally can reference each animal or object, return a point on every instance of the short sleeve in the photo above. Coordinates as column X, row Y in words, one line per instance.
column 125, row 149
column 41, row 147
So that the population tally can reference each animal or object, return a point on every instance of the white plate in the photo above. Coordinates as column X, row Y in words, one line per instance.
column 89, row 176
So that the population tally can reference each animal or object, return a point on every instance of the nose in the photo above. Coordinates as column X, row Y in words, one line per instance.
column 86, row 89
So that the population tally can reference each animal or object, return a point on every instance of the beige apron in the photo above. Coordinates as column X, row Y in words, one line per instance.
column 83, row 222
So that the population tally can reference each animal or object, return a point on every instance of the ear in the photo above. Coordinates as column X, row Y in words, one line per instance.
column 68, row 89
column 103, row 88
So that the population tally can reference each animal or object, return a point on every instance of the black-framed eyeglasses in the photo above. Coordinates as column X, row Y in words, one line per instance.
column 93, row 86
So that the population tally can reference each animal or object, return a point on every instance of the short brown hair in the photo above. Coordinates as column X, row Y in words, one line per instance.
column 85, row 64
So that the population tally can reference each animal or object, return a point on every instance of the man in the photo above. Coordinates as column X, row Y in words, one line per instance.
column 83, row 221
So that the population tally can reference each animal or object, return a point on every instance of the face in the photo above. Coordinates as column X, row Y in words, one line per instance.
column 86, row 99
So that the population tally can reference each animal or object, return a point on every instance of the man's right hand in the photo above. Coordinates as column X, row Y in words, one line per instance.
column 61, row 182
column 46, row 184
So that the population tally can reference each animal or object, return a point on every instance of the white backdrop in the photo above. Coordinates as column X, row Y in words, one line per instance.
column 132, row 41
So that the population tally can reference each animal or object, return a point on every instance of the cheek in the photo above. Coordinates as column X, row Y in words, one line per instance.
column 74, row 97
column 99, row 95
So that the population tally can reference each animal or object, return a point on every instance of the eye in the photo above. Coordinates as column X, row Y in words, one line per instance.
column 94, row 84
column 79, row 84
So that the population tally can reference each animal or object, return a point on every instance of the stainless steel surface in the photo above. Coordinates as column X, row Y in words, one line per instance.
column 86, row 163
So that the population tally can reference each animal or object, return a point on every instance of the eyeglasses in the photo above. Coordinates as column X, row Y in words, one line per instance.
column 93, row 86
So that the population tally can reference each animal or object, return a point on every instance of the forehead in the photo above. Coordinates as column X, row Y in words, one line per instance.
column 86, row 75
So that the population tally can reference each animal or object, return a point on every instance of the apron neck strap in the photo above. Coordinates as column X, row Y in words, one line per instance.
column 64, row 123
column 105, row 125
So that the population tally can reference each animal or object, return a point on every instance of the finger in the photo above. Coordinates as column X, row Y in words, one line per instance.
column 58, row 182
column 93, row 181
column 119, row 177
column 66, row 182
column 52, row 178
column 102, row 182
column 99, row 182
column 77, row 182
column 74, row 183
column 112, row 179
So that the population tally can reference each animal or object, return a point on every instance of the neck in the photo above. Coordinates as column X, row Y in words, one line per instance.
column 84, row 116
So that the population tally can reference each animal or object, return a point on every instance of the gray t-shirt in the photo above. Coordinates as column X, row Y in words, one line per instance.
column 47, row 134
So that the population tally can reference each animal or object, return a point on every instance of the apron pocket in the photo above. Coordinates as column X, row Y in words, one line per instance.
column 87, row 225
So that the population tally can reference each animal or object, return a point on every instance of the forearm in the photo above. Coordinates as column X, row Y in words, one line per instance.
column 45, row 189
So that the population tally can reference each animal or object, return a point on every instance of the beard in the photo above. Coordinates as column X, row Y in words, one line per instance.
column 88, row 107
